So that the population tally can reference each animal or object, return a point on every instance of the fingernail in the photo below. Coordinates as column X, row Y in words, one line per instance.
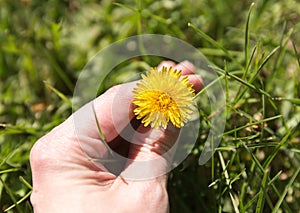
column 187, row 65
column 166, row 64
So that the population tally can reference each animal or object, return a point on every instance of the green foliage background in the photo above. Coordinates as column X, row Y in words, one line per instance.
column 45, row 44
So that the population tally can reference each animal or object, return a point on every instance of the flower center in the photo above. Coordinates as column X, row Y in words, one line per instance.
column 164, row 103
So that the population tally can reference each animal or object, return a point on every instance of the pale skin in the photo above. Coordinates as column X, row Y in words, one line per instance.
column 65, row 180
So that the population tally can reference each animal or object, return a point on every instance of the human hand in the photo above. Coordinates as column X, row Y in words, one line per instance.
column 65, row 179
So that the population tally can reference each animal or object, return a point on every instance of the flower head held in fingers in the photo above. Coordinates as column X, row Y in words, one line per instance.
column 162, row 96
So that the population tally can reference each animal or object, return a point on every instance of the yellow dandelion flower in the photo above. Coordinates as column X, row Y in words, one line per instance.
column 162, row 97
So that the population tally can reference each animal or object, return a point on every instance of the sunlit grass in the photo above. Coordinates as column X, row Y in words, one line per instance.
column 254, row 48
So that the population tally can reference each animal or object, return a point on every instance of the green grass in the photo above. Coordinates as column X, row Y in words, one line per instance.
column 254, row 49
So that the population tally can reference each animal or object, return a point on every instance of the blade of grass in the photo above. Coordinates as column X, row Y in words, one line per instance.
column 252, row 200
column 162, row 20
column 11, row 195
column 262, row 194
column 253, row 77
column 214, row 43
column 284, row 41
column 263, row 101
column 227, row 178
column 295, row 101
column 102, row 139
column 251, row 124
column 59, row 94
column 208, row 86
column 261, row 168
column 140, row 30
column 125, row 6
column 226, row 93
column 248, row 116
column 60, row 72
column 283, row 194
column 296, row 53
column 267, row 58
column 25, row 182
column 237, row 177
column 275, row 151
column 210, row 39
column 9, row 170
column 5, row 159
column 15, row 130
column 281, row 45
column 146, row 14
column 242, row 196
column 274, row 178
column 247, row 35
column 221, row 71
column 276, row 110
column 245, row 74
column 217, row 52
column 19, row 201
column 262, row 145
column 102, row 160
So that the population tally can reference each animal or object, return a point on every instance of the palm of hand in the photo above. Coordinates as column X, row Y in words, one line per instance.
column 64, row 180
